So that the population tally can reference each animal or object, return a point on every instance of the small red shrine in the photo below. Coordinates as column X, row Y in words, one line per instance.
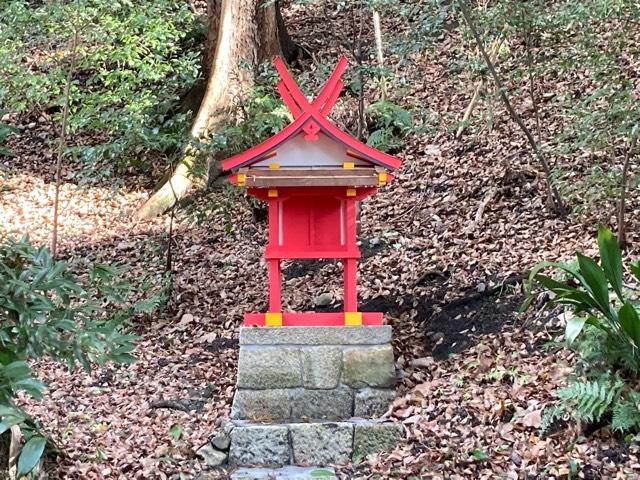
column 311, row 174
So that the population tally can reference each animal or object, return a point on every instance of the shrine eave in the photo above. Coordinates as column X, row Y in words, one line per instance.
column 365, row 152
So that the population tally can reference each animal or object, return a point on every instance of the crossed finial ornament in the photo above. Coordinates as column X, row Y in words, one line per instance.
column 298, row 104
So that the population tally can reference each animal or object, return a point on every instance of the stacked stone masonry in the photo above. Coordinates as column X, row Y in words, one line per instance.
column 310, row 396
column 320, row 373
column 309, row 444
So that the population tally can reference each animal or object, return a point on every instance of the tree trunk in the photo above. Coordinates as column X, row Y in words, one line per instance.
column 290, row 49
column 622, row 231
column 214, row 10
column 244, row 33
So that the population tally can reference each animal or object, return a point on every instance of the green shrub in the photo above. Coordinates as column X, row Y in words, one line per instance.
column 5, row 131
column 45, row 312
column 389, row 123
column 603, row 326
column 594, row 293
column 134, row 61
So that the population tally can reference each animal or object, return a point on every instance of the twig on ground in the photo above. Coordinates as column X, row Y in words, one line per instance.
column 171, row 404
column 481, row 208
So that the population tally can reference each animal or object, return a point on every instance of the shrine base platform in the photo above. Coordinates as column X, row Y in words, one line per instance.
column 324, row 373
column 315, row 319
column 310, row 396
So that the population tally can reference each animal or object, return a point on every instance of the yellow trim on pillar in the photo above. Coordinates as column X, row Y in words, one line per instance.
column 352, row 318
column 272, row 193
column 241, row 179
column 382, row 178
column 348, row 165
column 274, row 166
column 351, row 192
column 273, row 319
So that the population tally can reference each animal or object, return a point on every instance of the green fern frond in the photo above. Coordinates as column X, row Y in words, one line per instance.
column 590, row 399
column 626, row 413
column 598, row 350
column 550, row 415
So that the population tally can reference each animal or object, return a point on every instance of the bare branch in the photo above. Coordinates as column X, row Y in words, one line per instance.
column 377, row 29
column 62, row 144
column 553, row 195
column 532, row 90
column 631, row 151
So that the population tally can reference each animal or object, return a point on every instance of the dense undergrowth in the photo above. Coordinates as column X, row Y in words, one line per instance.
column 133, row 61
column 603, row 327
column 588, row 52
column 45, row 312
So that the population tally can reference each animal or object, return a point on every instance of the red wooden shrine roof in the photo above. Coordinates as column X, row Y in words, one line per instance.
column 311, row 118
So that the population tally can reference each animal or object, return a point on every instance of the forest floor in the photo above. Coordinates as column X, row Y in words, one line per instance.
column 475, row 378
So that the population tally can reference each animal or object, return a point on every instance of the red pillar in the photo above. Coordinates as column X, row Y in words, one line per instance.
column 350, row 285
column 275, row 303
column 273, row 317
column 351, row 317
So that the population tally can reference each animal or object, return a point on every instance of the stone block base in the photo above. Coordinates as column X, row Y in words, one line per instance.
column 307, row 444
column 322, row 373
column 285, row 473
column 318, row 384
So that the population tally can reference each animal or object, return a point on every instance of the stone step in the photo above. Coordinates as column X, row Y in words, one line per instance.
column 305, row 444
column 300, row 404
column 285, row 473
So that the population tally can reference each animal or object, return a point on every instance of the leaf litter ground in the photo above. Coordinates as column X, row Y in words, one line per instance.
column 474, row 379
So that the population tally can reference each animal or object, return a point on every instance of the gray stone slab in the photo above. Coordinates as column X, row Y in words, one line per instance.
column 211, row 456
column 359, row 335
column 373, row 402
column 336, row 404
column 269, row 367
column 372, row 437
column 285, row 473
column 371, row 366
column 321, row 366
column 221, row 441
column 263, row 405
column 260, row 446
column 321, row 443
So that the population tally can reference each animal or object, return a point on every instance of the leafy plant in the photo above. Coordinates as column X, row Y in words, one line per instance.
column 602, row 324
column 594, row 294
column 626, row 413
column 5, row 131
column 45, row 312
column 388, row 125
column 135, row 61
column 591, row 399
